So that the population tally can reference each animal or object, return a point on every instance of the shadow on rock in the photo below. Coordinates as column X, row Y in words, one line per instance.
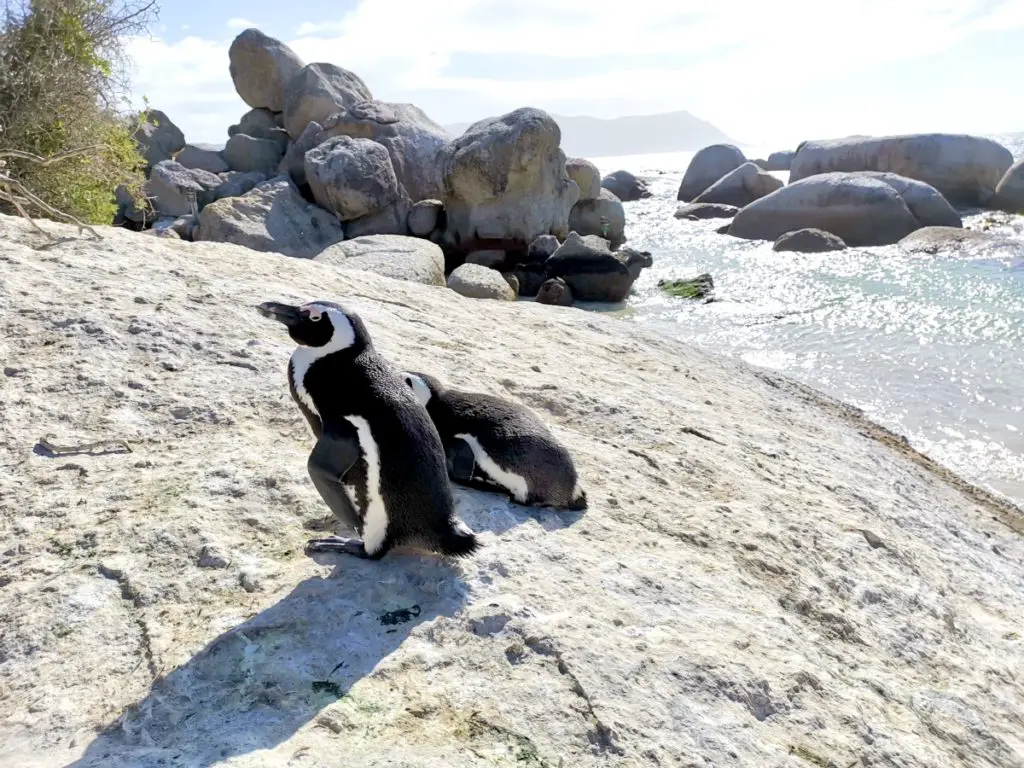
column 495, row 512
column 257, row 684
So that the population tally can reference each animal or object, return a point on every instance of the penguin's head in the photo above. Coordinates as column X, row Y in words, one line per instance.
column 322, row 325
column 422, row 385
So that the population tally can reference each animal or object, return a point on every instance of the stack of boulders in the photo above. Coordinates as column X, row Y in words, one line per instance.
column 857, row 191
column 320, row 169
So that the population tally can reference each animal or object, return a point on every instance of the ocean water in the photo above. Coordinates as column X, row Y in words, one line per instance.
column 931, row 347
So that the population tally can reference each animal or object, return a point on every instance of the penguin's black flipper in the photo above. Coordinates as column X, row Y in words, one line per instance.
column 331, row 459
column 461, row 461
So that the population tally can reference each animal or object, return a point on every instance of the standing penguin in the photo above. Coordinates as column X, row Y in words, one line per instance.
column 378, row 462
column 494, row 443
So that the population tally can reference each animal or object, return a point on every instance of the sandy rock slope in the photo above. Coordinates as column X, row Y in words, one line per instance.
column 763, row 579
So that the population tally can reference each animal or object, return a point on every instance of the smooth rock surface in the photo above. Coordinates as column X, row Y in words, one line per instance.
column 246, row 154
column 412, row 139
column 586, row 175
column 780, row 161
column 763, row 577
column 625, row 186
column 475, row 281
column 158, row 138
column 964, row 242
column 1009, row 195
column 316, row 92
column 965, row 169
column 859, row 209
column 555, row 292
column 603, row 216
column 425, row 216
column 261, row 124
column 708, row 166
column 352, row 178
column 809, row 241
column 170, row 182
column 740, row 187
column 927, row 204
column 505, row 179
column 261, row 68
column 271, row 217
column 706, row 211
column 201, row 159
column 402, row 258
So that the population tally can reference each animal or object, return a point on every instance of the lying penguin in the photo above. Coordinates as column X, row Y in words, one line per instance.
column 378, row 462
column 491, row 443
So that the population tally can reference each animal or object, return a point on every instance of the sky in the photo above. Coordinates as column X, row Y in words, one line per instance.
column 766, row 73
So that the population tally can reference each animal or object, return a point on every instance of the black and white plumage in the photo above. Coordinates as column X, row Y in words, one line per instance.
column 378, row 462
column 495, row 444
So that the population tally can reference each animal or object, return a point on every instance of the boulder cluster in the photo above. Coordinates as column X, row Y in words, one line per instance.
column 857, row 191
column 320, row 169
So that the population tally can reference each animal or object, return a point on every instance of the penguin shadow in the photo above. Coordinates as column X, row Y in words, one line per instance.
column 258, row 683
column 497, row 513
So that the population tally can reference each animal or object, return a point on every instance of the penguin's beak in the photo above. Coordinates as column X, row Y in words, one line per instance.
column 283, row 313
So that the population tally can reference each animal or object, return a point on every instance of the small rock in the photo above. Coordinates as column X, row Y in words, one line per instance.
column 809, row 240
column 625, row 186
column 424, row 217
column 250, row 155
column 541, row 249
column 512, row 280
column 250, row 580
column 555, row 292
column 697, row 211
column 212, row 557
column 478, row 282
column 586, row 175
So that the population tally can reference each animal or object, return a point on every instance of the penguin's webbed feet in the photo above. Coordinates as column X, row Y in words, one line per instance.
column 352, row 547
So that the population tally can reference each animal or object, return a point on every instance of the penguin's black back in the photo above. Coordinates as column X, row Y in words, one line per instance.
column 413, row 476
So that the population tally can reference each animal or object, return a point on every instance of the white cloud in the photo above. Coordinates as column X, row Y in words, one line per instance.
column 728, row 63
column 240, row 24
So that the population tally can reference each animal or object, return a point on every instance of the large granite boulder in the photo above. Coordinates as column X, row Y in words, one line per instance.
column 412, row 139
column 965, row 169
column 261, row 68
column 861, row 210
column 271, row 217
column 247, row 154
column 201, row 159
column 396, row 256
column 592, row 271
column 294, row 161
column 170, row 182
column 261, row 124
column 927, row 204
column 1009, row 195
column 475, row 281
column 316, row 92
column 740, row 187
column 706, row 211
column 809, row 241
column 603, row 216
column 625, row 186
column 708, row 166
column 354, row 179
column 586, row 175
column 505, row 179
column 779, row 161
column 158, row 138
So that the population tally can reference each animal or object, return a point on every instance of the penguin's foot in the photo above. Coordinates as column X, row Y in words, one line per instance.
column 352, row 547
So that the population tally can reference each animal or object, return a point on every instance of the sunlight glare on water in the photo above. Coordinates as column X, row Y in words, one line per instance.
column 929, row 346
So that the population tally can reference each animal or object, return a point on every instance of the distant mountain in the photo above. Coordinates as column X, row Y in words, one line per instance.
column 584, row 136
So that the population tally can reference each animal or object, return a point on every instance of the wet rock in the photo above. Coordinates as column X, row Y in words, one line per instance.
column 590, row 269
column 740, row 187
column 699, row 287
column 1009, row 195
column 555, row 291
column 541, row 249
column 809, row 241
column 708, row 166
column 954, row 240
column 625, row 186
column 697, row 211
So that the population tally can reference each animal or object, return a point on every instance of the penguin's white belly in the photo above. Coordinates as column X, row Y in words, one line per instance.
column 515, row 484
column 371, row 508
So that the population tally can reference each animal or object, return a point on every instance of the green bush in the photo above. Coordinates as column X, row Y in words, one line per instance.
column 64, row 87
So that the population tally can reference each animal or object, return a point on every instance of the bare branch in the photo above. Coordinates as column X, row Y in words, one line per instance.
column 45, row 161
